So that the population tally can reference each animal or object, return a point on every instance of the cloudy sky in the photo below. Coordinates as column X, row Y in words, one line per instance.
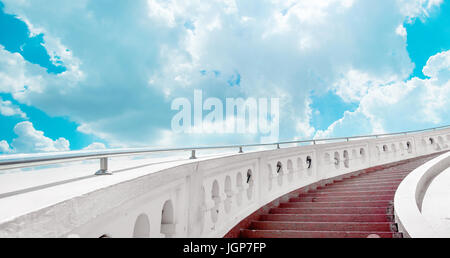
column 97, row 73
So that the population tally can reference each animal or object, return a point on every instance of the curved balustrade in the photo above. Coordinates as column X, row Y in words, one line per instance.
column 207, row 198
column 410, row 194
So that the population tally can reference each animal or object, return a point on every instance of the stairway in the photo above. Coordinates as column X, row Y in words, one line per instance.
column 356, row 207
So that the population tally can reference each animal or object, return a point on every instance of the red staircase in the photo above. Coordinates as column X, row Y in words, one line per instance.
column 357, row 207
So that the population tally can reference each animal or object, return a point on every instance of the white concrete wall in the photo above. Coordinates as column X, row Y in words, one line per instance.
column 409, row 199
column 206, row 198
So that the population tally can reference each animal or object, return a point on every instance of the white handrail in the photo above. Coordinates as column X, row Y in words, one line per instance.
column 32, row 160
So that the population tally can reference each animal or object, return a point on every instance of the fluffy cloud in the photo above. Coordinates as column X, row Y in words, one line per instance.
column 95, row 146
column 416, row 102
column 401, row 30
column 125, row 63
column 417, row 8
column 8, row 109
column 4, row 147
column 31, row 140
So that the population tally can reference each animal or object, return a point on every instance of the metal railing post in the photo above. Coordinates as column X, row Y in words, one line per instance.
column 103, row 168
column 193, row 155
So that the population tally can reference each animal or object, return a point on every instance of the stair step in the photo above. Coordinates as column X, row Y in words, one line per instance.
column 331, row 188
column 323, row 226
column 347, row 184
column 370, row 181
column 347, row 193
column 377, row 176
column 328, row 217
column 384, row 204
column 387, row 172
column 345, row 210
column 343, row 198
column 246, row 233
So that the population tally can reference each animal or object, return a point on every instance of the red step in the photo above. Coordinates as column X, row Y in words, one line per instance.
column 335, row 204
column 346, row 193
column 330, row 188
column 329, row 217
column 323, row 226
column 388, row 176
column 370, row 181
column 362, row 185
column 246, row 233
column 345, row 198
column 344, row 210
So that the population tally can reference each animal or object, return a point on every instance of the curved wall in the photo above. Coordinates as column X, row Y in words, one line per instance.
column 409, row 198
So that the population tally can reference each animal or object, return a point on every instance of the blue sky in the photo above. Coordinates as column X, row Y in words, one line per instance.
column 95, row 75
column 429, row 36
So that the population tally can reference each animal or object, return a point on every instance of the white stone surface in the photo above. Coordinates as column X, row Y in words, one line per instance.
column 410, row 197
column 436, row 203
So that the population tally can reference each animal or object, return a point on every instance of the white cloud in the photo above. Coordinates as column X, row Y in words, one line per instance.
column 417, row 8
column 304, row 127
column 438, row 66
column 4, row 147
column 354, row 85
column 95, row 146
column 30, row 140
column 7, row 108
column 417, row 103
column 401, row 30
column 16, row 74
column 283, row 49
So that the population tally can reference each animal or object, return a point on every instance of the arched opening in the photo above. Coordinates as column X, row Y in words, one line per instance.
column 202, row 209
column 362, row 152
column 409, row 147
column 250, row 184
column 327, row 159
column 385, row 148
column 215, row 196
column 142, row 227
column 269, row 180
column 168, row 219
column 402, row 148
column 239, row 187
column 424, row 143
column 431, row 141
column 394, row 149
column 228, row 194
column 336, row 160
column 280, row 173
column 299, row 167
column 346, row 159
column 299, row 164
column 290, row 170
column 309, row 164
column 441, row 142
